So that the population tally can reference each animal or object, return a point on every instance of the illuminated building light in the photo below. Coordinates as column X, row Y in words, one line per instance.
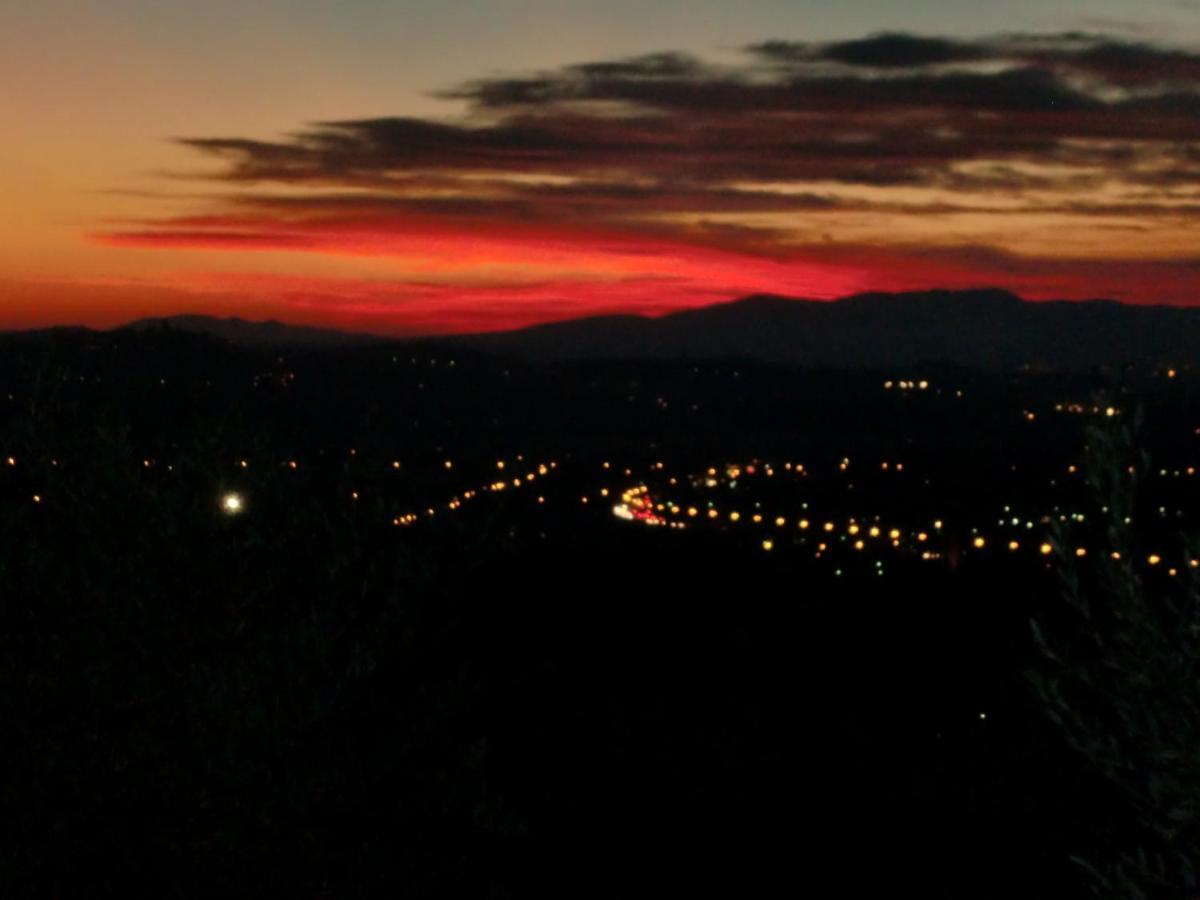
column 829, row 526
column 894, row 534
column 937, row 526
column 858, row 545
column 1081, row 551
column 979, row 542
column 1013, row 545
column 780, row 521
column 803, row 524
column 922, row 537
column 1154, row 559
column 1046, row 549
column 734, row 516
column 768, row 544
column 874, row 531
column 232, row 503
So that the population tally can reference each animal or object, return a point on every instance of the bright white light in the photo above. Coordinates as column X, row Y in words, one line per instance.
column 232, row 504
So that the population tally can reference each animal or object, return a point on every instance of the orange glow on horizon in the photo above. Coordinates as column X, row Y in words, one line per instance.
column 636, row 185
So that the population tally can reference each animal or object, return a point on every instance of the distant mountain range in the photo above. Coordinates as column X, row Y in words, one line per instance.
column 990, row 329
column 242, row 331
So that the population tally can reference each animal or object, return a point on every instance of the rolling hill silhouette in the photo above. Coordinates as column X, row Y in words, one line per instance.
column 986, row 328
column 990, row 328
column 243, row 331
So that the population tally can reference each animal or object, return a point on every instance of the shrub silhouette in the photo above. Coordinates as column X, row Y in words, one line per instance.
column 1119, row 676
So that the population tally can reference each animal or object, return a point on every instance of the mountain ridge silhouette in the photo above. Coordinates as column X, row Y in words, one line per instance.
column 987, row 328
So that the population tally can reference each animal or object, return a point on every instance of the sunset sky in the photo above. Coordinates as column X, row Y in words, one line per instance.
column 414, row 167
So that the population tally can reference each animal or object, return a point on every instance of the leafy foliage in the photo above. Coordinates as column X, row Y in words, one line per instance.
column 1119, row 676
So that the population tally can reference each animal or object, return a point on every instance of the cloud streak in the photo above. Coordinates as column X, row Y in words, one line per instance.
column 840, row 163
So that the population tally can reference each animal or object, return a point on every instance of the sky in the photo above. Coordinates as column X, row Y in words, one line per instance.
column 416, row 168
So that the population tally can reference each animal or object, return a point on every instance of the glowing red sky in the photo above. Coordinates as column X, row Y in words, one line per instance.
column 1055, row 165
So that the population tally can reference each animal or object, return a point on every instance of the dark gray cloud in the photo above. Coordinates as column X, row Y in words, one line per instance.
column 622, row 142
column 887, row 109
column 886, row 51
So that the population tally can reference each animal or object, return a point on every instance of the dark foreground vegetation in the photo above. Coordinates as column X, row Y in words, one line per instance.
column 534, row 699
